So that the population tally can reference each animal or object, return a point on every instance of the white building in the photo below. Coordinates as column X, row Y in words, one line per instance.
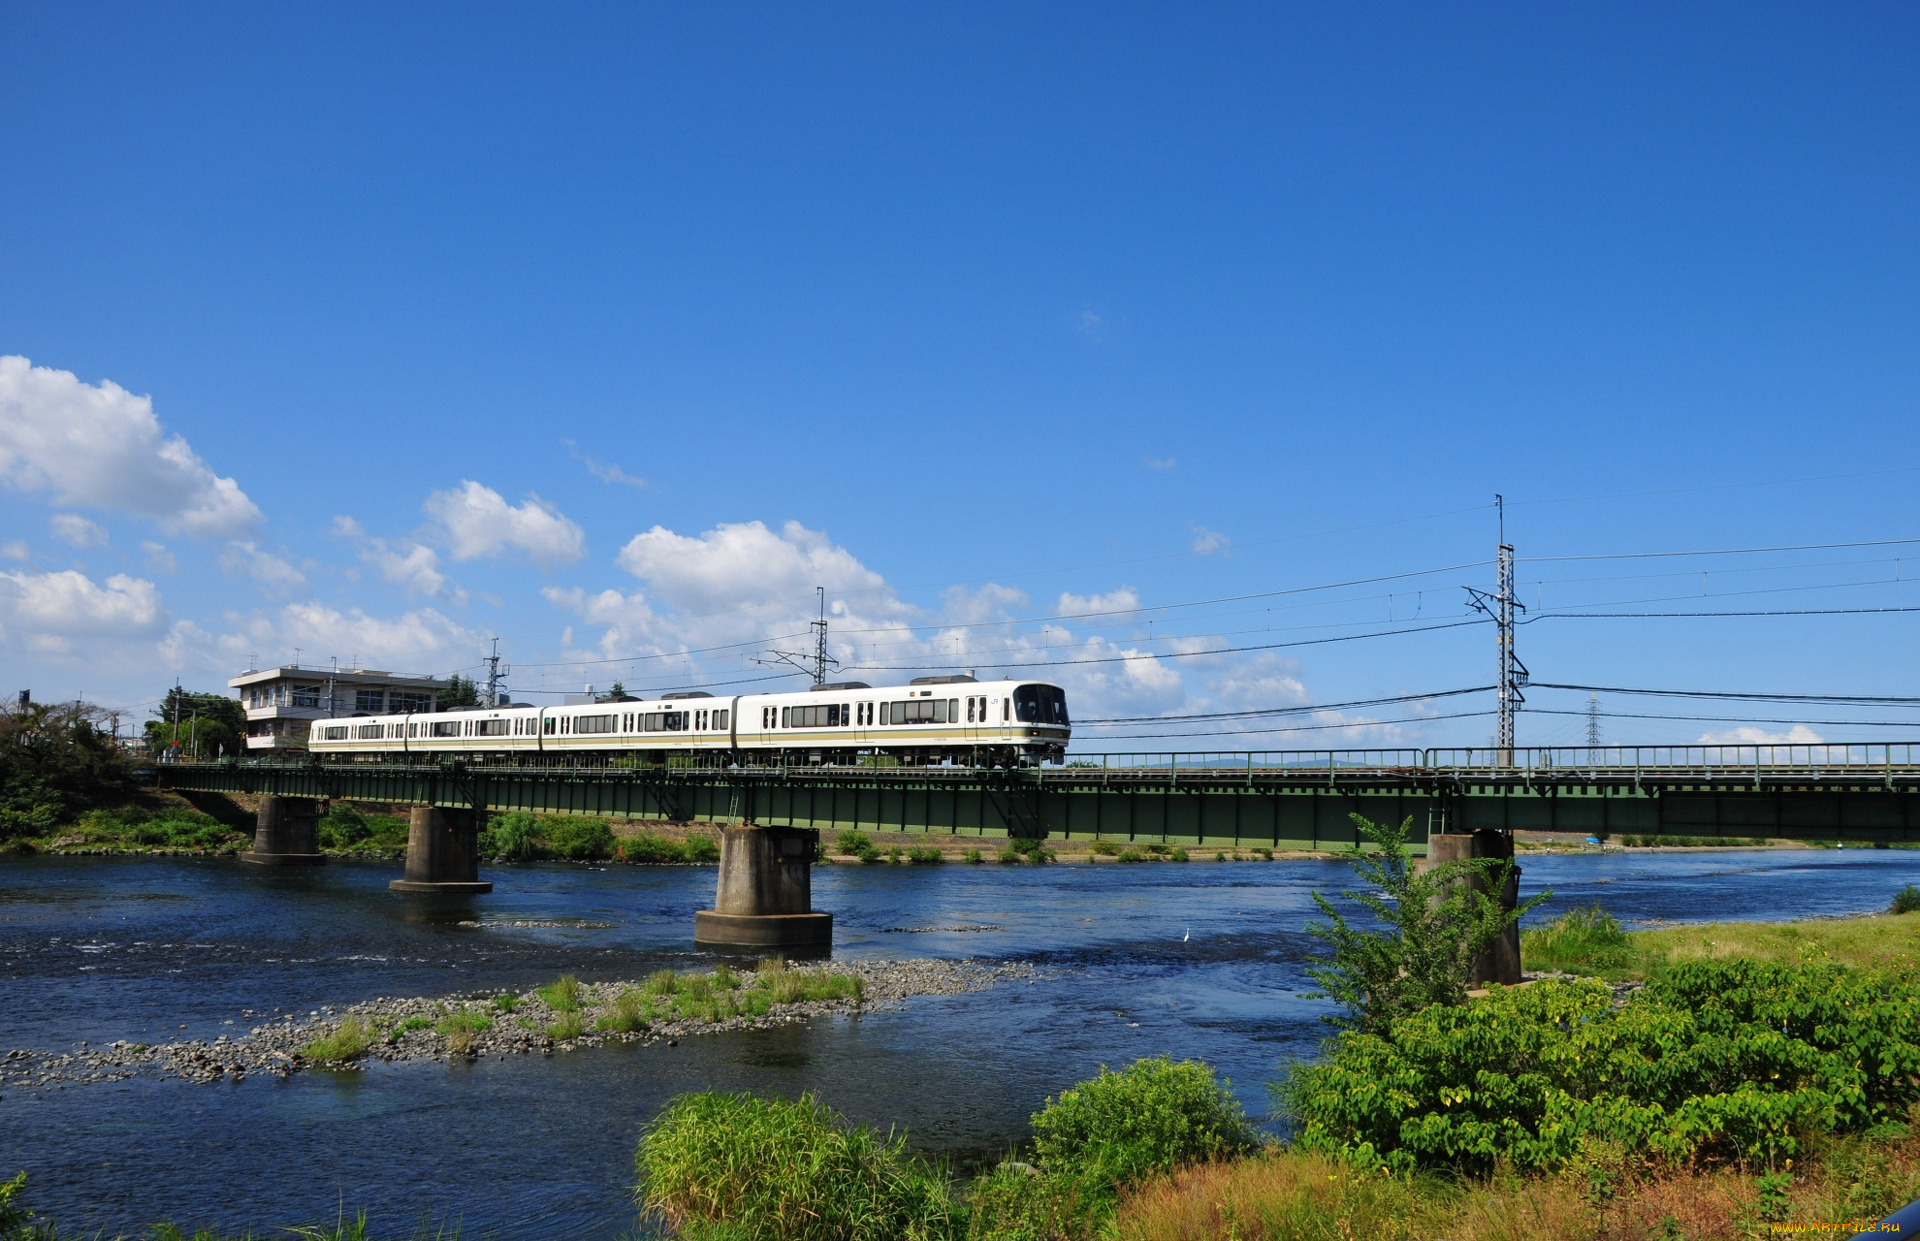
column 281, row 703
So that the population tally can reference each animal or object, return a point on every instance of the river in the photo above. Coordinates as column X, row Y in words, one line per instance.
column 1202, row 960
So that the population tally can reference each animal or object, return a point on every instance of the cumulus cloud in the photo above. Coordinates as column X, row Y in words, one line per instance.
column 1074, row 607
column 76, row 531
column 414, row 567
column 101, row 446
column 15, row 549
column 421, row 640
column 742, row 563
column 271, row 571
column 476, row 521
column 56, row 607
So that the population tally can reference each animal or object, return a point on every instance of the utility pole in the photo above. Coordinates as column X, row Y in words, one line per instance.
column 1510, row 674
column 820, row 642
column 494, row 675
column 333, row 678
column 1593, row 721
column 176, row 716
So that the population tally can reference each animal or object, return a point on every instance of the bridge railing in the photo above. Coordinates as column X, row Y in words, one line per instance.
column 1716, row 759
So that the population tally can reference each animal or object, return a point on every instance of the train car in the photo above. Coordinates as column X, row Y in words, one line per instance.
column 930, row 720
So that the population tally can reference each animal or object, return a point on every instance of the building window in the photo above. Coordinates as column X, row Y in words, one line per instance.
column 401, row 703
column 372, row 701
column 309, row 696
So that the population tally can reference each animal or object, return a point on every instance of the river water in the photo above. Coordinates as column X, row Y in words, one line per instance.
column 1202, row 960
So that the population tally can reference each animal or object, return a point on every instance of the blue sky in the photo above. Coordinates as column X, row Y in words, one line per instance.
column 613, row 331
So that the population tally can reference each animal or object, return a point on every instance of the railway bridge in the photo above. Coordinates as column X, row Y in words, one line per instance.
column 1463, row 802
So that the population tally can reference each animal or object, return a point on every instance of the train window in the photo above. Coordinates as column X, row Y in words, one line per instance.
column 411, row 730
column 368, row 732
column 846, row 714
column 720, row 718
column 1040, row 704
column 1005, row 705
column 786, row 717
column 446, row 728
column 921, row 711
column 953, row 709
column 811, row 717
column 334, row 732
column 490, row 728
column 551, row 723
column 664, row 721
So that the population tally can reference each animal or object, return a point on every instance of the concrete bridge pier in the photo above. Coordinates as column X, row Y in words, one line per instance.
column 1500, row 963
column 765, row 891
column 443, row 851
column 286, row 833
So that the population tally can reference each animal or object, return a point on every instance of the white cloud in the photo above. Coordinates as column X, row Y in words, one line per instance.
column 76, row 531
column 414, row 567
column 348, row 528
column 743, row 563
column 476, row 521
column 605, row 471
column 63, row 605
column 159, row 559
column 1162, row 463
column 422, row 640
column 15, row 549
column 1092, row 325
column 101, row 446
column 1799, row 734
column 1074, row 607
column 271, row 571
column 1208, row 542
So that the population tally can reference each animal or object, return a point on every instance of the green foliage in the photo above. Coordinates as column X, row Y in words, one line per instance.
column 854, row 844
column 700, row 850
column 567, row 1025
column 1022, row 849
column 1177, row 855
column 510, row 838
column 56, row 761
column 926, row 856
column 349, row 1040
column 458, row 692
column 1132, row 855
column 1435, row 923
column 578, row 839
column 344, row 827
column 628, row 1013
column 206, row 726
column 1692, row 842
column 562, row 994
column 1119, row 1128
column 507, row 1003
column 716, row 1165
column 1905, row 901
column 1730, row 1058
column 1580, row 940
column 1105, row 848
column 16, row 1220
column 973, row 857
column 170, row 827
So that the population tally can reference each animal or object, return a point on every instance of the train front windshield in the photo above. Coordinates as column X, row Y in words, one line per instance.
column 1040, row 704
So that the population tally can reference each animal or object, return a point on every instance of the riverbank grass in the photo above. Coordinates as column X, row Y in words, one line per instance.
column 348, row 1041
column 1589, row 941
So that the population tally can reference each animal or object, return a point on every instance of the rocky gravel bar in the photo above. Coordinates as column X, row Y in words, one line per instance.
column 472, row 1025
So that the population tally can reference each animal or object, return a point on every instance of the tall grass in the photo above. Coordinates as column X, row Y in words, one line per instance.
column 734, row 1166
column 1586, row 940
column 348, row 1040
column 461, row 1028
column 562, row 994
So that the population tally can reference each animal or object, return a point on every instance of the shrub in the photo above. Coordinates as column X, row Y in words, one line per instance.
column 1105, row 848
column 1131, row 854
column 1027, row 850
column 1436, row 921
column 719, row 1165
column 700, row 850
column 511, row 838
column 577, row 839
column 927, row 856
column 854, row 844
column 1178, row 855
column 1119, row 1128
column 1579, row 939
column 1726, row 1058
column 343, row 827
column 1905, row 901
column 628, row 1013
column 973, row 857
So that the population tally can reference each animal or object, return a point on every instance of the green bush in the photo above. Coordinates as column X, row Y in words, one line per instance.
column 700, row 850
column 168, row 828
column 1580, row 939
column 1119, row 1128
column 511, row 838
column 1906, row 901
column 577, row 839
column 1131, row 854
column 1731, row 1058
column 927, row 856
column 855, row 844
column 733, row 1166
column 1435, row 923
column 973, row 857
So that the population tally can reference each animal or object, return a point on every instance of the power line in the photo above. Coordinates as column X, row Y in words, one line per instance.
column 1724, row 551
column 1270, row 711
column 1681, row 615
column 1295, row 728
column 1731, row 719
column 1878, row 700
column 1228, row 650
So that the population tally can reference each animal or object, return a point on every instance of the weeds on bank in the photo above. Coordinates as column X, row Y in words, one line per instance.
column 523, row 837
column 461, row 1028
column 349, row 1040
column 562, row 994
column 1588, row 940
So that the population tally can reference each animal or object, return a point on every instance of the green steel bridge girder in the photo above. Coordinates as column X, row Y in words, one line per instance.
column 1209, row 808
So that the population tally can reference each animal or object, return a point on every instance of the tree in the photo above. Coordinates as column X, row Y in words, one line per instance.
column 617, row 692
column 206, row 725
column 1434, row 924
column 458, row 694
column 56, row 759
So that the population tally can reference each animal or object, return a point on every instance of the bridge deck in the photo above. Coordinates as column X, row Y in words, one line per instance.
column 1286, row 799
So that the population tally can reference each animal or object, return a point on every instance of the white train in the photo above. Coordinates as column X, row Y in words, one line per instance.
column 929, row 720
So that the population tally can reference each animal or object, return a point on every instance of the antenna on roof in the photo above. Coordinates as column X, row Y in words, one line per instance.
column 820, row 660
